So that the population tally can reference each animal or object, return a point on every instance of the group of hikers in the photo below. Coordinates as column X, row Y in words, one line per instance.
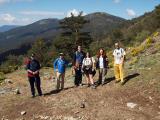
column 82, row 64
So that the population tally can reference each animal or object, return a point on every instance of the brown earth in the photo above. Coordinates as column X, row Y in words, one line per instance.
column 108, row 102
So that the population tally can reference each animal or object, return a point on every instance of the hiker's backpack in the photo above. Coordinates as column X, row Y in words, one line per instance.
column 122, row 50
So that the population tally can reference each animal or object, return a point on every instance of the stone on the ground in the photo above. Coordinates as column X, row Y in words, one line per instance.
column 8, row 81
column 131, row 105
column 82, row 105
column 76, row 112
column 17, row 91
column 23, row 112
column 150, row 98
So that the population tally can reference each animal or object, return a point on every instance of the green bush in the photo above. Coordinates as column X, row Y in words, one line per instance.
column 155, row 34
column 149, row 41
column 136, row 51
column 2, row 76
column 142, row 35
column 133, row 61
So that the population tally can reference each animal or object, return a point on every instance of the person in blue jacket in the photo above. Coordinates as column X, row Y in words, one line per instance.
column 60, row 66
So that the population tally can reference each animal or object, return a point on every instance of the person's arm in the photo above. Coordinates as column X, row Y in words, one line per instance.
column 28, row 68
column 55, row 65
column 93, row 62
column 107, row 60
column 83, row 65
column 74, row 60
column 38, row 68
column 30, row 71
column 114, row 55
column 123, row 56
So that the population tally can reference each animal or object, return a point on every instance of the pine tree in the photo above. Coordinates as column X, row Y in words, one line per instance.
column 39, row 48
column 73, row 28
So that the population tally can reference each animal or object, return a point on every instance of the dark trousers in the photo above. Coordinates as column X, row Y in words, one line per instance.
column 78, row 77
column 35, row 81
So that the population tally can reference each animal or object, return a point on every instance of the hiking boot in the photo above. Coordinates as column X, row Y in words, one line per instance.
column 93, row 86
column 122, row 83
column 102, row 84
column 32, row 96
column 88, row 85
column 117, row 81
column 41, row 95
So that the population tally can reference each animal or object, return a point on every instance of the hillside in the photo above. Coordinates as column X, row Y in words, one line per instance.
column 138, row 99
column 26, row 34
column 106, row 102
column 49, row 28
column 5, row 28
column 101, row 24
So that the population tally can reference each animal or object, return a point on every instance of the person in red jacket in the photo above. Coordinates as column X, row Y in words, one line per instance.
column 33, row 68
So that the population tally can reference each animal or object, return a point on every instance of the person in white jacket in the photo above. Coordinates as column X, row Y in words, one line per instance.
column 119, row 55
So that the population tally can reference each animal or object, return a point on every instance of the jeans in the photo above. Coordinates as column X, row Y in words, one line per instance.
column 102, row 74
column 35, row 81
column 78, row 77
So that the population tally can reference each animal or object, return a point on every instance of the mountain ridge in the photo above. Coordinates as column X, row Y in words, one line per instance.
column 49, row 28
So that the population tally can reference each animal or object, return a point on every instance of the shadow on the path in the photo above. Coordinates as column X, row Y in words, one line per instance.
column 57, row 91
column 129, row 77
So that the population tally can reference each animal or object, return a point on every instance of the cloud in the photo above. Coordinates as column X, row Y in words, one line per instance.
column 4, row 1
column 10, row 1
column 42, row 13
column 24, row 21
column 131, row 13
column 116, row 1
column 74, row 12
column 7, row 18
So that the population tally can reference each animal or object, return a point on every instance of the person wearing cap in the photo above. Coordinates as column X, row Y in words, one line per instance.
column 78, row 57
column 33, row 68
column 119, row 55
column 60, row 66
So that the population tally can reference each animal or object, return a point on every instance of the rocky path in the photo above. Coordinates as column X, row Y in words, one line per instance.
column 138, row 99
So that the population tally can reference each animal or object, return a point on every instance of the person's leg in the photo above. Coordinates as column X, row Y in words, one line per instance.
column 38, row 85
column 104, row 72
column 116, row 72
column 76, row 78
column 92, row 81
column 121, row 69
column 31, row 81
column 58, row 80
column 62, row 81
column 87, row 78
column 100, row 76
column 80, row 76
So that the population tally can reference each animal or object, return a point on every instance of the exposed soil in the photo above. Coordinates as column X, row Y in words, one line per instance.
column 108, row 102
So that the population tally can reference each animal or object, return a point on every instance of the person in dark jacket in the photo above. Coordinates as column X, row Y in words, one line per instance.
column 102, row 65
column 77, row 60
column 33, row 68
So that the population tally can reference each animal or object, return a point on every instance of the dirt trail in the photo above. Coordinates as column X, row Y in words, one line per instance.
column 108, row 102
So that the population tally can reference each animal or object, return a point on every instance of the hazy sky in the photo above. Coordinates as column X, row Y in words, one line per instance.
column 22, row 12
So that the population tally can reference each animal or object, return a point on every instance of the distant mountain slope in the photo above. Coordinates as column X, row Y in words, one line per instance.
column 100, row 24
column 26, row 34
column 5, row 28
